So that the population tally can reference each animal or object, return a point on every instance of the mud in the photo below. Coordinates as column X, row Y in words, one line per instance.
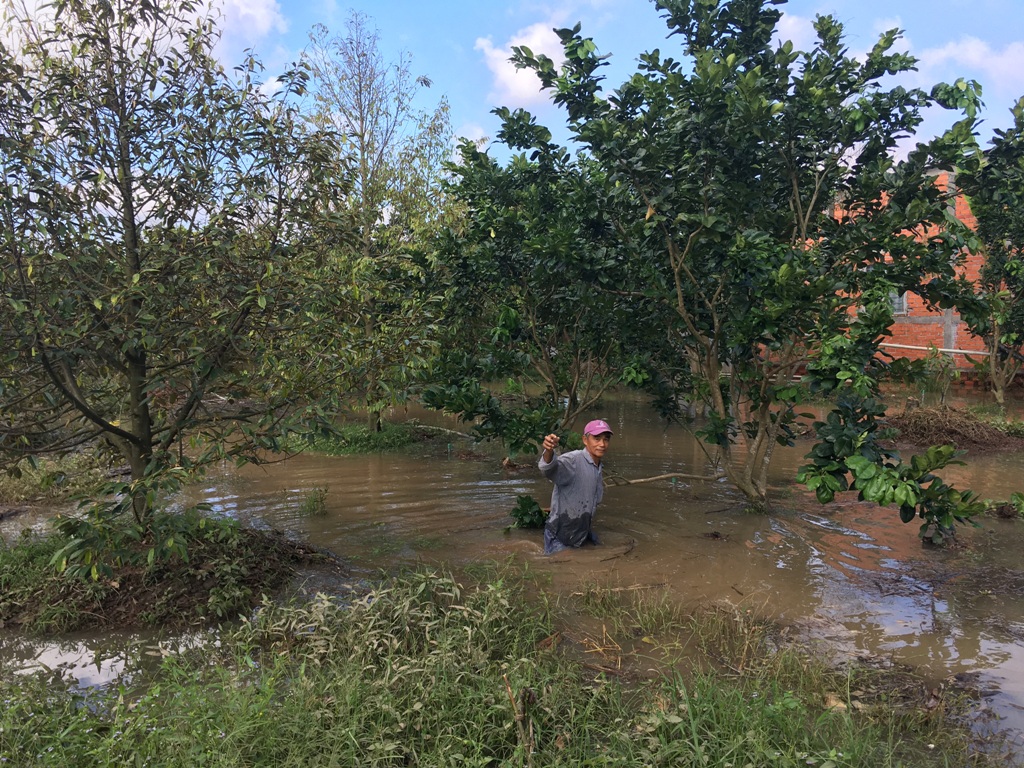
column 922, row 427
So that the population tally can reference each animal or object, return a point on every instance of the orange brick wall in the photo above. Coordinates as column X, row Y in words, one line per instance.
column 920, row 327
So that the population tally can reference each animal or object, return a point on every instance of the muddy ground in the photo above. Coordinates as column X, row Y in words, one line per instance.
column 948, row 425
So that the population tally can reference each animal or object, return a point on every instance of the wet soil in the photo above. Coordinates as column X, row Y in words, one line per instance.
column 949, row 425
column 10, row 511
column 219, row 581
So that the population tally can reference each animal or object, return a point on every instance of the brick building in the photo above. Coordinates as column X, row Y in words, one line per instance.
column 916, row 328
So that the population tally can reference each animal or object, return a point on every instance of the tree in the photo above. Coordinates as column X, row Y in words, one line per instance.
column 396, row 202
column 774, row 221
column 530, row 270
column 160, row 229
column 994, row 182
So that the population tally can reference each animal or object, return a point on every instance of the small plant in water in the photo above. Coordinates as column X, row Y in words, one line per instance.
column 1017, row 502
column 513, row 386
column 315, row 503
column 940, row 373
column 528, row 513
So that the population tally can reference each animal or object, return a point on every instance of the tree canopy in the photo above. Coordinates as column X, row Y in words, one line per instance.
column 994, row 184
column 396, row 203
column 162, row 226
column 532, row 270
column 765, row 220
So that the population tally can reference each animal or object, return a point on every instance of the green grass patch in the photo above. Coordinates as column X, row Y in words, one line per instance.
column 352, row 439
column 427, row 671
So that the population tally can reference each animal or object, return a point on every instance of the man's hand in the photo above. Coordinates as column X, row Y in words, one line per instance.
column 550, row 443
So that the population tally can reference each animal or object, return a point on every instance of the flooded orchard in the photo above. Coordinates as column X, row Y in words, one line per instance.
column 850, row 574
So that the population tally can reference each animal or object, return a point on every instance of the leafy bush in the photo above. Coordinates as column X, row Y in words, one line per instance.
column 527, row 513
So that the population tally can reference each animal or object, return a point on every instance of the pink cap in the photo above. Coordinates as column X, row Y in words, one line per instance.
column 597, row 427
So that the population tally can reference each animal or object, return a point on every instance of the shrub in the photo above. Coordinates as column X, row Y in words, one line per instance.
column 527, row 513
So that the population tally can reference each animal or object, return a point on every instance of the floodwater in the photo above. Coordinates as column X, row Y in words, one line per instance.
column 850, row 575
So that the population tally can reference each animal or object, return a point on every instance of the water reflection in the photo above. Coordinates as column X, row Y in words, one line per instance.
column 91, row 659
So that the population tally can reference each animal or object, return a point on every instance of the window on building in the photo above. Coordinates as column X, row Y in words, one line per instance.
column 899, row 303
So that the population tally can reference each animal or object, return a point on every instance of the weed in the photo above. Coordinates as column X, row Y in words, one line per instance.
column 423, row 543
column 514, row 386
column 636, row 609
column 425, row 670
column 314, row 503
column 1017, row 500
column 26, row 573
column 226, row 571
column 353, row 439
column 1014, row 428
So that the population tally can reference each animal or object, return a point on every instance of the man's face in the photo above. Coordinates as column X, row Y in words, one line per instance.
column 597, row 444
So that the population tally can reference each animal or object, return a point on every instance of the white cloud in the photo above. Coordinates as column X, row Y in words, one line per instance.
column 885, row 24
column 246, row 24
column 519, row 87
column 251, row 19
column 798, row 29
column 472, row 131
column 1000, row 71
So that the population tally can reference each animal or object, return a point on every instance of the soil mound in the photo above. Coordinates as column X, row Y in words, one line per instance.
column 222, row 579
column 946, row 425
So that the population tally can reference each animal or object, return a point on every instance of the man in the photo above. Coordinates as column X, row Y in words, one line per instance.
column 579, row 487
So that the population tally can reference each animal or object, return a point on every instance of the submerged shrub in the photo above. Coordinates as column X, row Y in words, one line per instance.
column 314, row 503
column 527, row 513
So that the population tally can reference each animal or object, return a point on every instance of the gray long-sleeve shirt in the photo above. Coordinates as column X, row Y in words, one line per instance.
column 579, row 488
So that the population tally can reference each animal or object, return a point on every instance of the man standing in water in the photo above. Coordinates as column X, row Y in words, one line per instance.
column 579, row 487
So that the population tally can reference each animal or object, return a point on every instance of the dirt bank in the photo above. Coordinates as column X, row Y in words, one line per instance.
column 947, row 425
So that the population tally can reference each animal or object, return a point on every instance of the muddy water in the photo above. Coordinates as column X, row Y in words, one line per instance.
column 849, row 574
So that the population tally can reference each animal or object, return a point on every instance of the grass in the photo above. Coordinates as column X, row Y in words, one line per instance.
column 353, row 439
column 633, row 611
column 30, row 586
column 52, row 478
column 427, row 671
column 314, row 503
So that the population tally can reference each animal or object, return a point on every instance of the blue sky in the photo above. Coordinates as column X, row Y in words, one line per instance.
column 463, row 46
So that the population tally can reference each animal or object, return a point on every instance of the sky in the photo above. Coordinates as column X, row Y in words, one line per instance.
column 463, row 45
